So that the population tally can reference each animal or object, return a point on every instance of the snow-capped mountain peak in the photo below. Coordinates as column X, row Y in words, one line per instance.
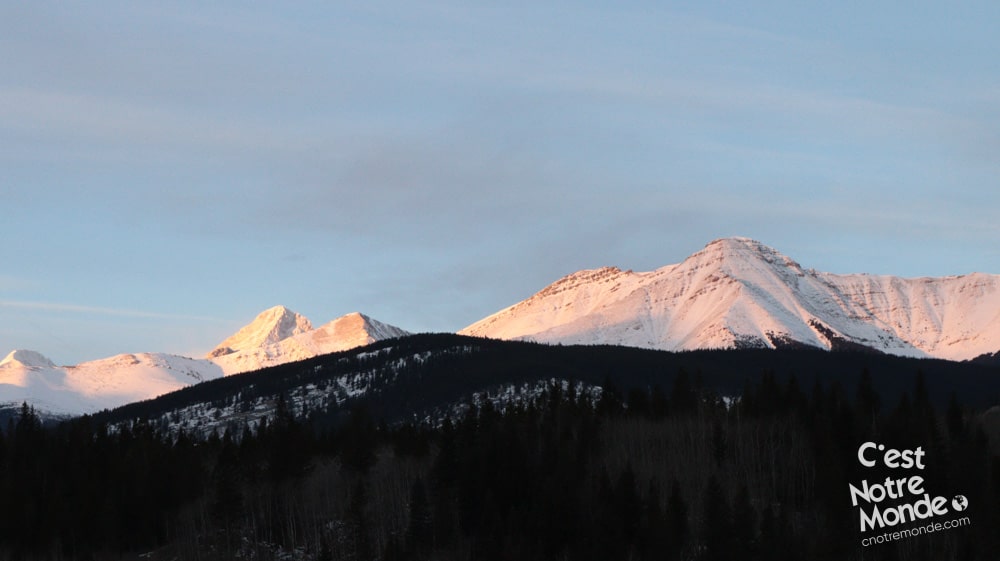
column 27, row 376
column 732, row 255
column 247, row 350
column 354, row 329
column 26, row 359
column 270, row 326
column 739, row 292
column 276, row 336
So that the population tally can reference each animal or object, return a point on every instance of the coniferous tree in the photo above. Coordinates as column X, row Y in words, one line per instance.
column 227, row 497
column 659, row 405
column 654, row 536
column 868, row 402
column 610, row 402
column 638, row 402
column 677, row 520
column 683, row 398
column 769, row 544
column 357, row 451
column 629, row 506
column 718, row 443
column 955, row 418
column 744, row 525
column 359, row 522
column 420, row 526
column 718, row 542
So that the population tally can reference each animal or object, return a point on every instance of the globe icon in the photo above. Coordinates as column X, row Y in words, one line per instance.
column 960, row 503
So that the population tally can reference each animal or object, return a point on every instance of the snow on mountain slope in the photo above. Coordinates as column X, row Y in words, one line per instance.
column 26, row 359
column 270, row 326
column 126, row 378
column 346, row 332
column 738, row 292
column 955, row 317
column 276, row 336
column 95, row 385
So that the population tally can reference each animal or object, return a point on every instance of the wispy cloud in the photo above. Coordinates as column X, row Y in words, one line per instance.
column 89, row 118
column 118, row 312
column 9, row 283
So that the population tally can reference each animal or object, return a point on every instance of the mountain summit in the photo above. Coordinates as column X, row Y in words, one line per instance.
column 738, row 292
column 269, row 327
column 27, row 376
column 26, row 359
column 279, row 335
column 276, row 336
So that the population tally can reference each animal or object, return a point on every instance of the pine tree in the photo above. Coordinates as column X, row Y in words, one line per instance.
column 717, row 526
column 610, row 403
column 359, row 522
column 868, row 402
column 744, row 525
column 955, row 417
column 677, row 520
column 654, row 538
column 638, row 402
column 682, row 396
column 629, row 507
column 359, row 439
column 420, row 526
column 659, row 405
column 772, row 543
column 227, row 495
column 718, row 443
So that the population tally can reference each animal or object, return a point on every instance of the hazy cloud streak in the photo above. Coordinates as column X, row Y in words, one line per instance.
column 78, row 309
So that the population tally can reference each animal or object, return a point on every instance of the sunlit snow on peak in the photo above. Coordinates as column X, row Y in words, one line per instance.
column 739, row 292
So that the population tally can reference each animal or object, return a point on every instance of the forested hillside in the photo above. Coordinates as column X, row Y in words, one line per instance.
column 423, row 377
column 660, row 472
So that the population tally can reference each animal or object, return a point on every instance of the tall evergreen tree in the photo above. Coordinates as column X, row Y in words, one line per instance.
column 683, row 398
column 420, row 526
column 677, row 520
column 718, row 540
column 744, row 525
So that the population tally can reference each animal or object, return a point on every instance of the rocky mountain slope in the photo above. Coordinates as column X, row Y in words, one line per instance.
column 279, row 335
column 737, row 292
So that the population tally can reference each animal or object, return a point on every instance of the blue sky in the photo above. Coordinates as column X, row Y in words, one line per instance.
column 169, row 170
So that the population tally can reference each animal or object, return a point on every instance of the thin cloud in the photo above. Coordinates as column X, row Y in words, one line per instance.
column 10, row 283
column 92, row 118
column 118, row 312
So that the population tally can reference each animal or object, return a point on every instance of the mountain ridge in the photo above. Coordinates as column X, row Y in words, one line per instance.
column 734, row 293
column 275, row 336
column 738, row 292
column 345, row 332
column 269, row 327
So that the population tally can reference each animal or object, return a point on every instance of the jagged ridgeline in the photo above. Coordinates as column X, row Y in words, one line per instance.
column 736, row 293
column 426, row 377
column 739, row 293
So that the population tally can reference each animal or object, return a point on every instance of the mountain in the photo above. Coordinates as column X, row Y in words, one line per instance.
column 269, row 327
column 279, row 335
column 276, row 336
column 28, row 376
column 426, row 377
column 735, row 293
column 523, row 425
column 738, row 293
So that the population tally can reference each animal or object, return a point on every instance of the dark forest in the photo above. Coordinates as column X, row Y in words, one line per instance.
column 671, row 472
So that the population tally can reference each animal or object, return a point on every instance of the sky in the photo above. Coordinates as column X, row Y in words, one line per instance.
column 169, row 170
